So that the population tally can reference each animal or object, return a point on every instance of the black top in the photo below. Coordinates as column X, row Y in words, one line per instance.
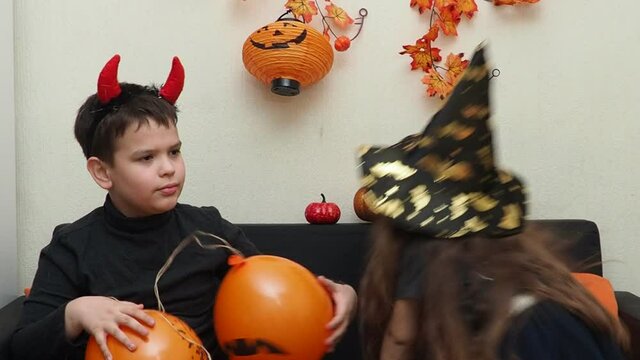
column 550, row 332
column 107, row 254
column 545, row 330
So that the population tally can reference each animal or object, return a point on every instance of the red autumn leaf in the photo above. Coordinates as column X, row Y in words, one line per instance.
column 423, row 54
column 325, row 33
column 432, row 34
column 436, row 85
column 304, row 8
column 455, row 66
column 422, row 4
column 467, row 7
column 513, row 2
column 448, row 20
column 339, row 16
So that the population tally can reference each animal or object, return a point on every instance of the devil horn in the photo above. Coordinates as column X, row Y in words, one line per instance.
column 108, row 86
column 172, row 88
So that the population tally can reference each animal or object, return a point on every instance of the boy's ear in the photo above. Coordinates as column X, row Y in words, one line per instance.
column 99, row 171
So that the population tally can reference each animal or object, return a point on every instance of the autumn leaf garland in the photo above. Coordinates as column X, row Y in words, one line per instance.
column 445, row 15
column 307, row 9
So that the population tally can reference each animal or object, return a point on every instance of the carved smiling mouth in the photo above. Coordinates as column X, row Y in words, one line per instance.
column 282, row 44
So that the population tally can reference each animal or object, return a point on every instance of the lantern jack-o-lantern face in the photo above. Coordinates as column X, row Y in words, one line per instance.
column 278, row 42
column 288, row 54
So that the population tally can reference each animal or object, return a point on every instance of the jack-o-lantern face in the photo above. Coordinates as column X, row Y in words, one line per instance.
column 287, row 54
column 278, row 36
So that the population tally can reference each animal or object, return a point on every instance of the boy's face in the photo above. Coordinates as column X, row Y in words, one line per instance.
column 147, row 173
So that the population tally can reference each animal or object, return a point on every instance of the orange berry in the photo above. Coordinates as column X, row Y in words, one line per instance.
column 342, row 43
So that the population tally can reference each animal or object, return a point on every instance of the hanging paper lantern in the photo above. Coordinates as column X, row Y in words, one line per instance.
column 287, row 54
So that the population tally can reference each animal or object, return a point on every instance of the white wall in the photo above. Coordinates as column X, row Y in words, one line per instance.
column 8, row 231
column 566, row 108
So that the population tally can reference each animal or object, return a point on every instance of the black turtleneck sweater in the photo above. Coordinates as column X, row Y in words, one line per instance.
column 108, row 254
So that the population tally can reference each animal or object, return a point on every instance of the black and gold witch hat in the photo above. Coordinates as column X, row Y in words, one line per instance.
column 443, row 182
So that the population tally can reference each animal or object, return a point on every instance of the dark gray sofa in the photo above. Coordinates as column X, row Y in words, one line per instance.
column 339, row 252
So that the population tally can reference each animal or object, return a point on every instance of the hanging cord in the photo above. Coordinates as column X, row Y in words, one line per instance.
column 184, row 243
column 282, row 17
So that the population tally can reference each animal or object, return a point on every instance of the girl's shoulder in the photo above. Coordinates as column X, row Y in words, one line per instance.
column 546, row 330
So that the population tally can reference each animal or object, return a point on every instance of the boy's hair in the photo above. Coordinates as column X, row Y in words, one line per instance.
column 97, row 125
column 116, row 106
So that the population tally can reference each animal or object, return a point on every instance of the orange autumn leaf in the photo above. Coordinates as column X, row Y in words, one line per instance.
column 455, row 66
column 513, row 2
column 422, row 5
column 441, row 5
column 467, row 7
column 304, row 8
column 436, row 85
column 423, row 54
column 339, row 16
column 432, row 34
column 448, row 20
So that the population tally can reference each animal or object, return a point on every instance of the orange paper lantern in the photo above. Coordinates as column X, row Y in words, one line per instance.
column 271, row 308
column 170, row 338
column 287, row 54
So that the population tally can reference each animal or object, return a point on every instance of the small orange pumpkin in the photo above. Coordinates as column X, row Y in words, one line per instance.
column 360, row 207
column 287, row 54
column 342, row 43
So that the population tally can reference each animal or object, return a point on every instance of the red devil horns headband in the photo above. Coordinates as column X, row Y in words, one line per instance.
column 109, row 88
column 172, row 88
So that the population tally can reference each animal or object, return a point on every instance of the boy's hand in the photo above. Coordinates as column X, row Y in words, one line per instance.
column 101, row 316
column 345, row 301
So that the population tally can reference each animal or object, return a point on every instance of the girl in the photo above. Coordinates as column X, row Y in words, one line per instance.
column 455, row 273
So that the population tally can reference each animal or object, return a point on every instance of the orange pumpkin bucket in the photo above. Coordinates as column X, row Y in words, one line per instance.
column 288, row 54
column 170, row 338
column 271, row 308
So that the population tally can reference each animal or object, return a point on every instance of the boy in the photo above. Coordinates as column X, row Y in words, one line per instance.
column 128, row 135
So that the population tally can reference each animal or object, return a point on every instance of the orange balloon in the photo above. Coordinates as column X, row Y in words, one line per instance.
column 271, row 308
column 163, row 342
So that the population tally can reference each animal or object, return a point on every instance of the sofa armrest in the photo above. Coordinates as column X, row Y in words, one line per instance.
column 628, row 305
column 9, row 317
column 629, row 312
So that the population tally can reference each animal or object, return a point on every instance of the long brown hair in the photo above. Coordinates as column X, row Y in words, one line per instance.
column 468, row 288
